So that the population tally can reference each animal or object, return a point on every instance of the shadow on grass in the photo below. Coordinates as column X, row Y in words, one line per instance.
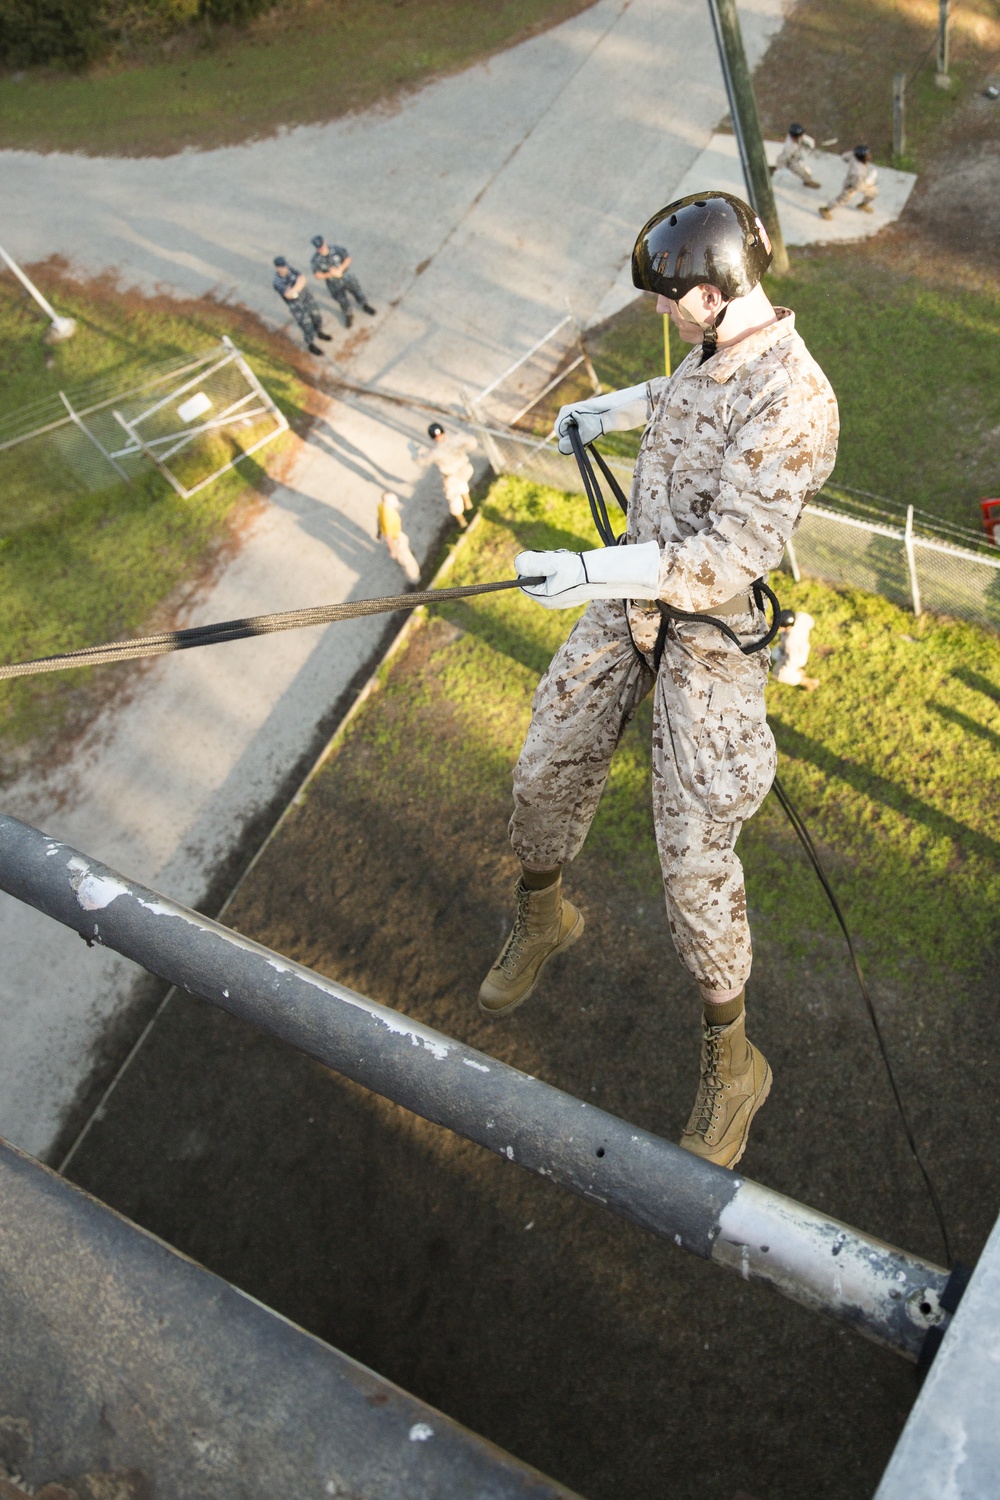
column 500, row 633
column 977, row 683
column 962, row 721
column 799, row 746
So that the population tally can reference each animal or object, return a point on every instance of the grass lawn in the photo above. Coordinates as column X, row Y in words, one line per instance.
column 80, row 566
column 298, row 64
column 891, row 760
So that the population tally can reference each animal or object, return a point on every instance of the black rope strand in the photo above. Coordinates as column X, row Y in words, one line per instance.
column 806, row 841
column 236, row 630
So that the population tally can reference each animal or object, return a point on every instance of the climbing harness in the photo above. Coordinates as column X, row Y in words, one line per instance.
column 599, row 511
column 236, row 630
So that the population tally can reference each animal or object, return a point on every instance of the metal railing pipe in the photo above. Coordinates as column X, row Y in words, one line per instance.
column 884, row 1293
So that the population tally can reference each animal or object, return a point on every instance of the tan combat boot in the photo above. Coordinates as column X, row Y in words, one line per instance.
column 735, row 1081
column 545, row 923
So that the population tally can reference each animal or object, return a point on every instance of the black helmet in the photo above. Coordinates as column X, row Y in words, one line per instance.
column 710, row 239
column 435, row 430
column 786, row 618
column 279, row 260
column 862, row 152
column 318, row 239
column 795, row 129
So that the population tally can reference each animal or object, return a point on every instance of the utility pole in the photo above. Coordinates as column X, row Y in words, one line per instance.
column 941, row 77
column 746, row 124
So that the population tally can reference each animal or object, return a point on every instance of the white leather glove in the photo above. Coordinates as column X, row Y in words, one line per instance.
column 572, row 578
column 615, row 411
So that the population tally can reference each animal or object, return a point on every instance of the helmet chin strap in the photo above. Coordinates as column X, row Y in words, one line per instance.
column 709, row 330
column 710, row 334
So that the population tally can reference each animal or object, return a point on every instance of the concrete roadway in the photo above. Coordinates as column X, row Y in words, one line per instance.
column 475, row 208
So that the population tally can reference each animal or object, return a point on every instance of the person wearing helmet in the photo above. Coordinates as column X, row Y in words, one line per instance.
column 861, row 177
column 291, row 287
column 792, row 156
column 449, row 452
column 790, row 656
column 734, row 444
column 330, row 264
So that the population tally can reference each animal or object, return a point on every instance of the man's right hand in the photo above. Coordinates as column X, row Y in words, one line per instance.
column 615, row 411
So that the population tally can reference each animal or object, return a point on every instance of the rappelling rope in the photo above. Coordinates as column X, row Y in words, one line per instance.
column 805, row 840
column 602, row 523
column 235, row 630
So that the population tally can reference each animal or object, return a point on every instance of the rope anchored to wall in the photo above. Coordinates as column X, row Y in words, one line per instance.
column 236, row 630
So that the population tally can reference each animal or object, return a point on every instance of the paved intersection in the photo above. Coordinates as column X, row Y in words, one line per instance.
column 476, row 209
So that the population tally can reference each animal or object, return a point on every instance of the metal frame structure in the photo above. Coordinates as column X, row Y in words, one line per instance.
column 883, row 1293
column 233, row 1399
column 90, row 399
column 159, row 450
column 122, row 1358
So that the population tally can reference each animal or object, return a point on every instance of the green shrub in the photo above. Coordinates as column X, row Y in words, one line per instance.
column 40, row 31
column 223, row 11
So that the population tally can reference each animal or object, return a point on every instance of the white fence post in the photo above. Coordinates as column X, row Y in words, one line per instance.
column 793, row 561
column 88, row 434
column 911, row 560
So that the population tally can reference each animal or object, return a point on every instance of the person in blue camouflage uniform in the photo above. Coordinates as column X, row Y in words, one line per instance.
column 330, row 264
column 291, row 287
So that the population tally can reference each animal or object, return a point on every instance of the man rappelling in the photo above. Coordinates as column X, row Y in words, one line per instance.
column 735, row 443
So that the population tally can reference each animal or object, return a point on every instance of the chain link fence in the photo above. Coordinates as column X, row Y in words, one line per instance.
column 530, row 379
column 846, row 538
column 192, row 418
column 906, row 564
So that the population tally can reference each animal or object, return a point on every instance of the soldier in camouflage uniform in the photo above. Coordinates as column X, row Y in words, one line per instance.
column 330, row 264
column 291, row 287
column 735, row 443
column 792, row 156
column 861, row 177
column 450, row 453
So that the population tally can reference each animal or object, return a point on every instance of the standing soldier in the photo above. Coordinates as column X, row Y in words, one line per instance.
column 291, row 287
column 793, row 155
column 861, row 177
column 390, row 530
column 735, row 443
column 451, row 455
column 791, row 655
column 330, row 264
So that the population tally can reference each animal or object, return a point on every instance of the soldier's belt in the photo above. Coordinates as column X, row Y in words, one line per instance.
column 739, row 604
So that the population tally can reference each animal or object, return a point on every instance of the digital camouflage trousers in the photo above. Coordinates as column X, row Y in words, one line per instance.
column 307, row 315
column 339, row 286
column 713, row 763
